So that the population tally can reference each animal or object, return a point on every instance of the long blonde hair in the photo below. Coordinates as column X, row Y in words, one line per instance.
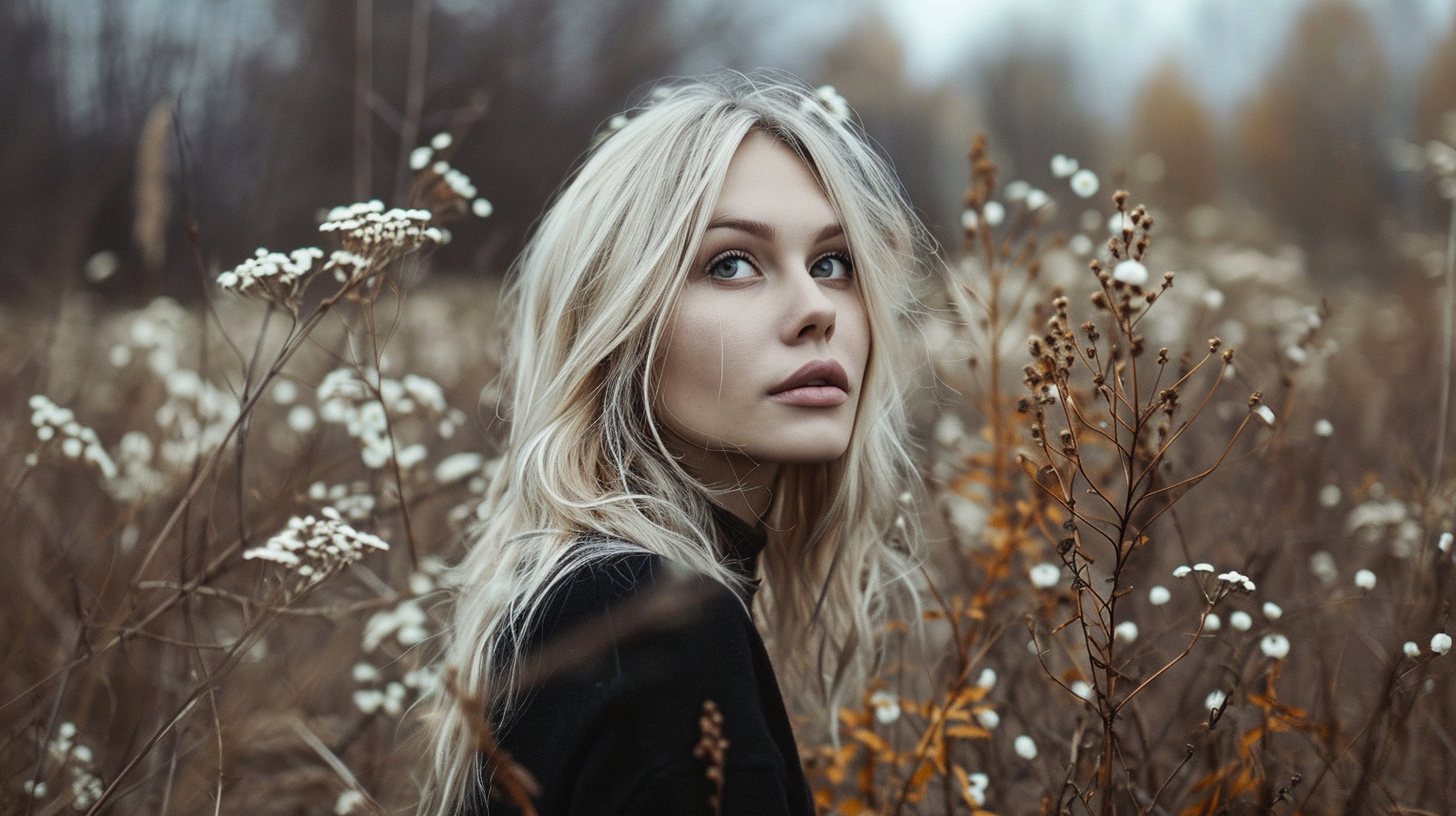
column 585, row 472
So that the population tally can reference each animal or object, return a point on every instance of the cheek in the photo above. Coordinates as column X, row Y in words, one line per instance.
column 701, row 357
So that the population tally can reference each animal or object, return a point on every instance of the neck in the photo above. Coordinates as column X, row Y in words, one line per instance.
column 737, row 483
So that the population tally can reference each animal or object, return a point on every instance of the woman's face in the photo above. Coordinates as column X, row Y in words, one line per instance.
column 767, row 342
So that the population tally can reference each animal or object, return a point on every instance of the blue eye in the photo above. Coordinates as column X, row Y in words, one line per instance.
column 831, row 267
column 730, row 267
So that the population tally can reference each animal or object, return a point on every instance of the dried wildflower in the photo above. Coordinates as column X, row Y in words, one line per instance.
column 1084, row 183
column 1411, row 649
column 1272, row 611
column 315, row 548
column 1203, row 566
column 1365, row 579
column 52, row 422
column 1440, row 643
column 273, row 276
column 1045, row 575
column 1274, row 645
column 1127, row 630
column 406, row 621
column 1159, row 595
column 1241, row 620
column 1025, row 747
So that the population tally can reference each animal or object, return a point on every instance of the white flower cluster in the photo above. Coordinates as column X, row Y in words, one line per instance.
column 392, row 696
column 370, row 231
column 353, row 501
column 65, row 749
column 162, row 330
column 408, row 625
column 315, row 547
column 976, row 785
column 52, row 422
column 272, row 275
column 1379, row 516
column 346, row 399
column 138, row 480
column 197, row 417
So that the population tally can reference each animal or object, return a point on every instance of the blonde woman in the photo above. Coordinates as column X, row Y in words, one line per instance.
column 705, row 390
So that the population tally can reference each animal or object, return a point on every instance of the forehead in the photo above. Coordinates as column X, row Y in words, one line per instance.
column 766, row 180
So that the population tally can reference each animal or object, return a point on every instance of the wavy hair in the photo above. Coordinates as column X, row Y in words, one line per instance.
column 586, row 473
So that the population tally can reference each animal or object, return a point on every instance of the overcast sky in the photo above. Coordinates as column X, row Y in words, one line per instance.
column 1226, row 45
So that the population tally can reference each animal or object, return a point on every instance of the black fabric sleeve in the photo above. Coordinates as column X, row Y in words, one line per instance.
column 615, row 735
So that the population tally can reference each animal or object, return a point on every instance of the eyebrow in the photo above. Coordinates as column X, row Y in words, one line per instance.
column 767, row 232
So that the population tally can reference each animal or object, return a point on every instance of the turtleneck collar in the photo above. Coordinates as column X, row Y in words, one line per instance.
column 741, row 546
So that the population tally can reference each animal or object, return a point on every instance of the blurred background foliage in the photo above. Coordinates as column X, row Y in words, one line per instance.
column 127, row 125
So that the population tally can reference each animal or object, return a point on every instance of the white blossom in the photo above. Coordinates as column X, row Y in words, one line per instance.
column 1444, row 542
column 831, row 101
column 1324, row 428
column 1322, row 565
column 1265, row 413
column 1274, row 645
column 1241, row 620
column 1131, row 272
column 1411, row 649
column 976, row 785
column 1272, row 611
column 1203, row 566
column 77, row 441
column 482, row 208
column 1045, row 575
column 1127, row 630
column 1025, row 747
column 1036, row 199
column 1082, row 689
column 1440, row 643
column 1365, row 579
column 886, row 706
column 1212, row 623
column 370, row 231
column 987, row 679
column 1214, row 699
column 1237, row 580
column 1084, row 183
column 1329, row 496
column 419, row 158
column 441, row 140
column 1182, row 571
column 969, row 220
column 1159, row 595
column 988, row 718
column 1063, row 166
column 347, row 802
column 994, row 213
column 1016, row 191
column 1080, row 244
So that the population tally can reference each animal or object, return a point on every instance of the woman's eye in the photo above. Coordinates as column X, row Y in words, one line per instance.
column 830, row 266
column 731, row 267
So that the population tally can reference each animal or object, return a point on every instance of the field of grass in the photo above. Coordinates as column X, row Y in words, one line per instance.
column 1190, row 537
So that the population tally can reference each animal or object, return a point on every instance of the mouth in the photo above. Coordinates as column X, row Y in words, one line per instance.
column 819, row 384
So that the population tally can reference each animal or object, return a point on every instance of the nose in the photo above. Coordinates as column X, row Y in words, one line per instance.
column 811, row 312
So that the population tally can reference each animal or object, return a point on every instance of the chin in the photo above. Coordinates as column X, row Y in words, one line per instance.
column 804, row 450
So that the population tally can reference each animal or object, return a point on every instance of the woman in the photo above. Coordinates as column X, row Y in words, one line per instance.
column 705, row 384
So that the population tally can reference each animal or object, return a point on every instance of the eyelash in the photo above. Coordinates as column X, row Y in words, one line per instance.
column 842, row 257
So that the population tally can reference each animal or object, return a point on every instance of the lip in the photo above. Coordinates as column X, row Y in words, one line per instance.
column 818, row 384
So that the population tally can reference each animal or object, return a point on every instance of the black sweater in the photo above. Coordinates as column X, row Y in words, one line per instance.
column 612, row 729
